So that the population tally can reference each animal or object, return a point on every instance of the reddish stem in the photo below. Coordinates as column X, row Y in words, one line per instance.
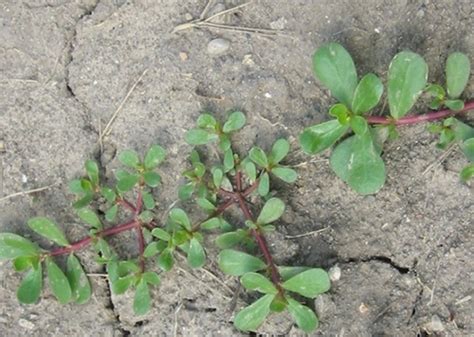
column 78, row 245
column 139, row 230
column 220, row 209
column 127, row 204
column 238, row 181
column 413, row 119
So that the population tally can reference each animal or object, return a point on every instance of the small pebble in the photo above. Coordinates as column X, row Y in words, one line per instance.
column 334, row 273
column 2, row 146
column 188, row 17
column 435, row 325
column 363, row 308
column 26, row 324
column 183, row 56
column 279, row 24
column 218, row 46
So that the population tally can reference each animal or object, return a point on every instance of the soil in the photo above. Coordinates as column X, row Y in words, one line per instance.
column 406, row 254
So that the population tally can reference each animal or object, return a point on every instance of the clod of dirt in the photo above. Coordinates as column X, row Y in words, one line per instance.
column 218, row 46
column 435, row 325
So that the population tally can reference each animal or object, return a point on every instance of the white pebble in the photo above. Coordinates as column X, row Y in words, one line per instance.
column 218, row 46
column 334, row 273
column 26, row 324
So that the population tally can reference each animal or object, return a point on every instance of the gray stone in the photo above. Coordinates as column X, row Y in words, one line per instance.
column 218, row 46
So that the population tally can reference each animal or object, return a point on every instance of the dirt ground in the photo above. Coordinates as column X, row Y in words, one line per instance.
column 406, row 254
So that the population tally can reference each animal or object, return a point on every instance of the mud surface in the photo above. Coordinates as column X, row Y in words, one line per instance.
column 406, row 254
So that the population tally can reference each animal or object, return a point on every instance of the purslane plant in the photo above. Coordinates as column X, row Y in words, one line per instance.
column 231, row 182
column 357, row 159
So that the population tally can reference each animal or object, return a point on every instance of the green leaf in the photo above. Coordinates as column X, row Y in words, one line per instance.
column 341, row 112
column 279, row 151
column 458, row 69
column 333, row 66
column 258, row 282
column 148, row 200
column 264, row 184
column 151, row 278
column 228, row 160
column 235, row 122
column 142, row 300
column 467, row 172
column 30, row 287
column 436, row 91
column 468, row 148
column 359, row 125
column 237, row 263
column 185, row 191
column 217, row 176
column 155, row 155
column 161, row 234
column 92, row 171
column 286, row 174
column 271, row 211
column 211, row 223
column 250, row 170
column 199, row 137
column 309, row 283
column 180, row 217
column 84, row 201
column 111, row 213
column 367, row 94
column 251, row 317
column 129, row 158
column 22, row 263
column 75, row 186
column 146, row 216
column 48, row 229
column 165, row 260
column 206, row 121
column 108, row 194
column 319, row 137
column 196, row 254
column 121, row 285
column 303, row 316
column 258, row 156
column 80, row 286
column 13, row 246
column 357, row 162
column 58, row 282
column 154, row 248
column 287, row 272
column 407, row 76
column 224, row 142
column 151, row 178
column 88, row 216
column 127, row 182
column 454, row 104
column 206, row 204
column 230, row 239
column 461, row 130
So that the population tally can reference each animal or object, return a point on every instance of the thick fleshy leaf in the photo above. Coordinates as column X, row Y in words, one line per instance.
column 80, row 286
column 151, row 178
column 230, row 239
column 142, row 300
column 468, row 149
column 319, row 137
column 454, row 104
column 287, row 272
column 251, row 317
column 237, row 263
column 161, row 234
column 235, row 122
column 407, row 76
column 155, row 155
column 264, row 184
column 92, row 170
column 458, row 69
column 271, row 211
column 334, row 67
column 165, row 260
column 13, row 246
column 341, row 112
column 303, row 316
column 200, row 137
column 111, row 213
column 206, row 121
column 22, row 263
column 31, row 285
column 286, row 174
column 88, row 216
column 108, row 194
column 359, row 125
column 309, row 283
column 129, row 158
column 467, row 172
column 279, row 150
column 148, row 200
column 151, row 278
column 258, row 282
column 48, row 229
column 367, row 94
column 250, row 170
column 196, row 254
column 180, row 217
column 211, row 223
column 121, row 285
column 258, row 156
column 228, row 160
column 185, row 191
column 58, row 282
column 217, row 176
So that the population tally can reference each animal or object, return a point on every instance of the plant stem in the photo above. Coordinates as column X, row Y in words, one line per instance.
column 139, row 230
column 413, row 119
column 127, row 204
column 220, row 209
column 78, row 245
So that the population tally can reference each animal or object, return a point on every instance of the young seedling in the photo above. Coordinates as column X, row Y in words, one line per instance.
column 231, row 182
column 357, row 159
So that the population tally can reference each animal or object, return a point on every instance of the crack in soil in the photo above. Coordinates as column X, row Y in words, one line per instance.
column 111, row 306
column 378, row 258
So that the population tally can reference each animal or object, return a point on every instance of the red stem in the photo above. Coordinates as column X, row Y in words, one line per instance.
column 413, row 119
column 78, row 245
column 139, row 230
column 127, row 204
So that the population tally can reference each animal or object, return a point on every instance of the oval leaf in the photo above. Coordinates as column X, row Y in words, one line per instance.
column 271, row 211
column 334, row 67
column 142, row 300
column 235, row 122
column 48, row 229
column 80, row 285
column 31, row 285
column 180, row 217
column 309, row 283
column 196, row 254
column 251, row 317
column 258, row 282
column 199, row 137
column 319, row 137
column 88, row 216
column 286, row 174
column 407, row 76
column 258, row 156
column 58, row 282
column 458, row 69
column 367, row 94
column 237, row 263
column 279, row 150
column 13, row 246
column 303, row 316
column 129, row 158
column 155, row 155
column 264, row 184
